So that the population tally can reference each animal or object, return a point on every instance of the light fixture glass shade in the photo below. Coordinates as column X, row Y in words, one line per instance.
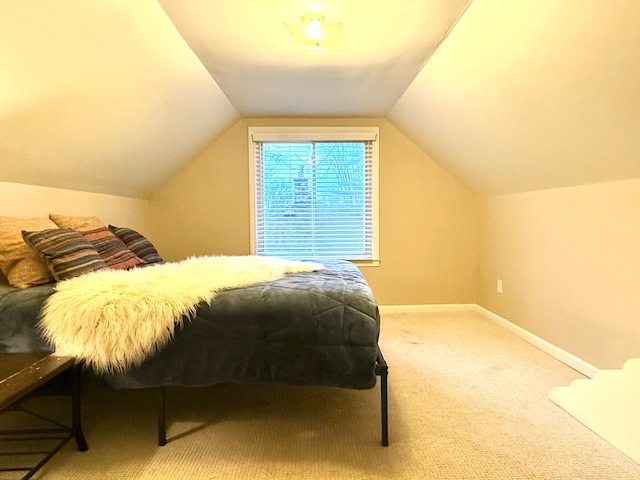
column 314, row 29
column 313, row 34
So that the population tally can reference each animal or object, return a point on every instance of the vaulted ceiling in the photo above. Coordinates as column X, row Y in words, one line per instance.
column 115, row 96
column 248, row 51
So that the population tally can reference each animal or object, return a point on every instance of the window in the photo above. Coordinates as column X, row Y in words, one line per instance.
column 314, row 192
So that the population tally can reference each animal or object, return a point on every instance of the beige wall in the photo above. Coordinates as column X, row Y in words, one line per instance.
column 427, row 219
column 570, row 264
column 18, row 200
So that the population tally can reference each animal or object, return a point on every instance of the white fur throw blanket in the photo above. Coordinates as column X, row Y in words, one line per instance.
column 115, row 319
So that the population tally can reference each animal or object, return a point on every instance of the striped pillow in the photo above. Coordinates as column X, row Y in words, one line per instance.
column 66, row 252
column 113, row 250
column 137, row 243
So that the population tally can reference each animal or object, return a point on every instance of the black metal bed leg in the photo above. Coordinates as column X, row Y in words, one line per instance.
column 385, row 410
column 162, row 417
column 76, row 415
column 382, row 370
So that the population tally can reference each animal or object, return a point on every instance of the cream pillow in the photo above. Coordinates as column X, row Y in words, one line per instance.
column 20, row 264
column 80, row 224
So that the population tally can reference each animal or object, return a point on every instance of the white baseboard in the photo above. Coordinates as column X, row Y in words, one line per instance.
column 559, row 354
column 556, row 352
column 439, row 307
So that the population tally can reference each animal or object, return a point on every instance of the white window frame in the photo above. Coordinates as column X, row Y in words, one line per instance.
column 309, row 134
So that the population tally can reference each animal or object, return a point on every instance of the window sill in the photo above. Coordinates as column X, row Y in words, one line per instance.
column 366, row 263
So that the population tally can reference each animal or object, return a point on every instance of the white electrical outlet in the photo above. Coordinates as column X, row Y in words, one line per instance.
column 499, row 286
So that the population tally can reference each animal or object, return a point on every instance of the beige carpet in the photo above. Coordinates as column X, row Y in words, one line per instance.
column 468, row 400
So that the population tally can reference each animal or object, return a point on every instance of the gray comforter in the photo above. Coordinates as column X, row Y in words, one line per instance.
column 317, row 328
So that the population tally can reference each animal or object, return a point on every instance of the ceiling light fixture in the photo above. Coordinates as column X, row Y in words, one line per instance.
column 314, row 23
column 314, row 34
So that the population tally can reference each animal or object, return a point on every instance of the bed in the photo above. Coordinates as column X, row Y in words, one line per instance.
column 316, row 328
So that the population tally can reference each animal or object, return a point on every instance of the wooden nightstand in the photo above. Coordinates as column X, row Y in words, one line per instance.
column 20, row 375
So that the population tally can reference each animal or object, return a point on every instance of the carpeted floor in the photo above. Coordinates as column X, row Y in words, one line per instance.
column 468, row 400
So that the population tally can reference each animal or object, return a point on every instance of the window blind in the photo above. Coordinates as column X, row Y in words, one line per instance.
column 314, row 199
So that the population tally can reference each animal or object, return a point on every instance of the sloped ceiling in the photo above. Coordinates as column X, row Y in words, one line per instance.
column 532, row 94
column 247, row 49
column 114, row 96
column 101, row 96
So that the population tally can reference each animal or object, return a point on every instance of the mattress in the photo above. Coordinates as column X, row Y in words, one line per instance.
column 314, row 328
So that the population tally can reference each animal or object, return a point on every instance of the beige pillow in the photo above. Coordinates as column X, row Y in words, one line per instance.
column 20, row 264
column 80, row 224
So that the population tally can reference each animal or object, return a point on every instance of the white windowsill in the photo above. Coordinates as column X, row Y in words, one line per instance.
column 366, row 263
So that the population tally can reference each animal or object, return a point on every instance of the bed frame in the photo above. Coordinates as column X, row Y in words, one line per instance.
column 218, row 335
column 381, row 369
